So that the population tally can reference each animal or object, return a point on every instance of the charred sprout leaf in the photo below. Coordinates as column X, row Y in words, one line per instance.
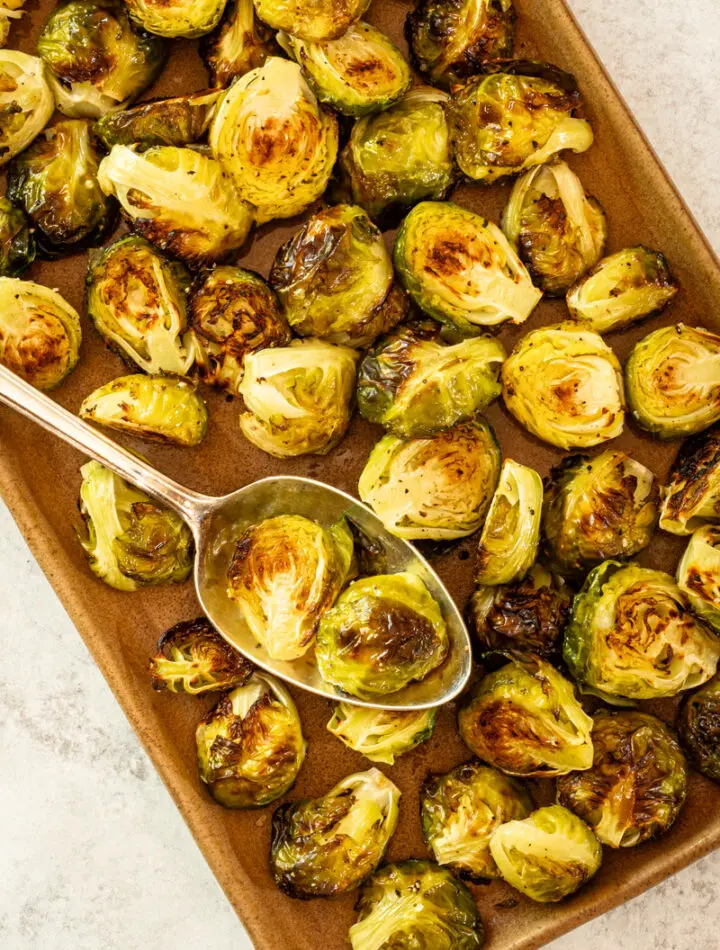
column 548, row 855
column 240, row 43
column 699, row 728
column 298, row 397
column 173, row 18
column 698, row 574
column 413, row 905
column 131, row 541
column 26, row 101
column 233, row 313
column 636, row 786
column 311, row 19
column 525, row 719
column 437, row 488
column 193, row 658
column 383, row 633
column 157, row 408
column 692, row 496
column 598, row 508
column 460, row 269
column 564, row 384
column 40, row 332
column 251, row 746
column 632, row 635
column 558, row 230
column 381, row 735
column 461, row 810
column 328, row 845
column 622, row 289
column 275, row 141
column 673, row 381
column 179, row 121
column 17, row 243
column 284, row 574
column 96, row 62
column 416, row 385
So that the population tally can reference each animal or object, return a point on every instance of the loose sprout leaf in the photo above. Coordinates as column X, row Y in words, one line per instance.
column 381, row 735
column 174, row 18
column 178, row 121
column 311, row 19
column 193, row 658
column 239, row 43
column 26, row 101
column 17, row 242
column 699, row 728
column 692, row 496
column 698, row 574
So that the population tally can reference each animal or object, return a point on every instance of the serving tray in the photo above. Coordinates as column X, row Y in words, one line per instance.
column 39, row 481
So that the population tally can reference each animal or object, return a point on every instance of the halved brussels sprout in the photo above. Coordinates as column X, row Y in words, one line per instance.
column 461, row 810
column 11, row 10
column 179, row 121
column 414, row 384
column 357, row 73
column 525, row 719
column 299, row 397
column 557, row 229
column 692, row 496
column 157, row 408
column 383, row 633
column 698, row 574
column 565, row 385
column 632, row 635
column 96, row 62
column 328, row 845
column 381, row 735
column 399, row 156
column 240, row 43
column 636, row 786
column 451, row 40
column 17, row 241
column 311, row 19
column 274, row 140
column 284, row 574
column 173, row 18
column 26, row 101
column 137, row 300
column 673, row 381
column 179, row 199
column 438, row 488
column 699, row 728
column 251, row 746
column 622, row 289
column 130, row 540
column 40, row 332
column 193, row 658
column 55, row 181
column 233, row 312
column 527, row 616
column 511, row 533
column 416, row 904
column 596, row 509
column 548, row 855
column 460, row 269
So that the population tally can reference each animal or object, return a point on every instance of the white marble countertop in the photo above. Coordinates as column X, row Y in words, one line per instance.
column 94, row 855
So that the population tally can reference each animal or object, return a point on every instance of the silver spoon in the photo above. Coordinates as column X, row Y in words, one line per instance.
column 217, row 522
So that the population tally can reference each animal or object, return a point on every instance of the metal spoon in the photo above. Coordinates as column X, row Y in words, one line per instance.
column 217, row 522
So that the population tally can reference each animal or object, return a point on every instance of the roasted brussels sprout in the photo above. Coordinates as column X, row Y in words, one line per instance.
column 636, row 786
column 284, row 574
column 416, row 385
column 278, row 145
column 328, row 845
column 96, row 62
column 26, row 101
column 157, row 408
column 173, row 18
column 416, row 904
column 596, row 509
column 548, row 855
column 179, row 199
column 311, row 19
column 299, row 397
column 399, row 156
column 40, row 332
column 698, row 574
column 460, row 269
column 564, row 384
column 179, row 121
column 17, row 241
column 622, row 289
column 524, row 719
column 673, row 381
column 55, row 181
column 438, row 488
column 240, row 43
column 632, row 635
column 11, row 10
column 699, row 728
column 558, row 231
column 381, row 735
column 383, row 633
column 461, row 810
column 193, row 658
column 251, row 747
column 137, row 301
column 511, row 533
column 692, row 496
column 233, row 313
column 130, row 540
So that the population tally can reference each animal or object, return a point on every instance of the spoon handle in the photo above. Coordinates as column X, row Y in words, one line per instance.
column 30, row 402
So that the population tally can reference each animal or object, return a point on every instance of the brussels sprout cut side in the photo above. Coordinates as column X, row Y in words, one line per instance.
column 17, row 242
column 699, row 728
column 174, row 18
column 26, row 101
column 240, row 43
column 193, row 658
column 179, row 121
column 311, row 19
column 692, row 496
column 698, row 574
column 381, row 735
